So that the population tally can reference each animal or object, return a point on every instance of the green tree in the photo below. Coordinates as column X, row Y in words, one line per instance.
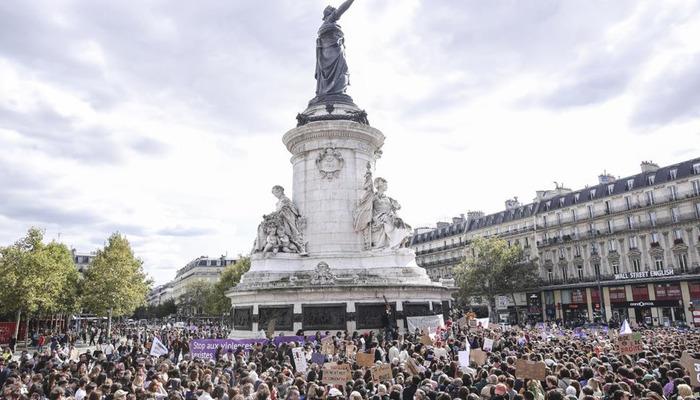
column 196, row 299
column 115, row 283
column 495, row 269
column 219, row 303
column 35, row 276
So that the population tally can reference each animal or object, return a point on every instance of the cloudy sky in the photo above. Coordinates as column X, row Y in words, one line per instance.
column 163, row 119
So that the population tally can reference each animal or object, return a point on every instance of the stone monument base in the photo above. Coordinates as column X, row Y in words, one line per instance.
column 332, row 293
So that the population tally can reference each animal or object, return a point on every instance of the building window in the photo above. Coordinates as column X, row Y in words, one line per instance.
column 563, row 273
column 640, row 292
column 559, row 218
column 596, row 270
column 579, row 271
column 668, row 291
column 591, row 194
column 577, row 251
column 630, row 184
column 650, row 198
column 617, row 294
column 594, row 249
column 611, row 187
column 696, row 169
column 550, row 274
column 659, row 264
column 696, row 187
column 628, row 202
column 673, row 173
column 611, row 226
column 573, row 215
column 547, row 205
column 650, row 180
column 682, row 262
column 615, row 267
column 697, row 210
column 630, row 222
column 652, row 218
column 612, row 245
column 544, row 221
column 633, row 242
column 527, row 242
column 655, row 237
column 675, row 214
column 561, row 202
column 677, row 235
column 576, row 197
column 590, row 211
column 562, row 253
column 636, row 265
column 608, row 207
column 672, row 193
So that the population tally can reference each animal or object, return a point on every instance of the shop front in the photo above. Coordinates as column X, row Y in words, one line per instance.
column 550, row 308
column 534, row 307
column 670, row 302
column 642, row 307
column 644, row 314
column 574, row 306
column 596, row 304
column 618, row 303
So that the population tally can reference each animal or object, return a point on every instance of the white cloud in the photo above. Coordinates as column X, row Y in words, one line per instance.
column 165, row 123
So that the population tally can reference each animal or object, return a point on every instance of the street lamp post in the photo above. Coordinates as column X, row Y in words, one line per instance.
column 600, row 297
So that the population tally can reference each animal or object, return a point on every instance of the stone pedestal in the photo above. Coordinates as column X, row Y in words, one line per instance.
column 338, row 284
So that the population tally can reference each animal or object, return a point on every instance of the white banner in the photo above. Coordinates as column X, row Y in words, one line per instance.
column 428, row 322
column 483, row 321
column 158, row 348
column 299, row 359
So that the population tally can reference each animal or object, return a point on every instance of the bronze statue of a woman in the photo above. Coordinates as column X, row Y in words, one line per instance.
column 332, row 78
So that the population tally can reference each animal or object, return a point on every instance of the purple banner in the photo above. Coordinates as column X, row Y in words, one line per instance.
column 206, row 348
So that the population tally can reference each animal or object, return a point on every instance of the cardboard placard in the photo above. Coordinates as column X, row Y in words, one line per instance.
column 412, row 367
column 488, row 345
column 526, row 369
column 350, row 350
column 464, row 358
column 462, row 322
column 382, row 373
column 478, row 356
column 365, row 359
column 334, row 374
column 630, row 343
column 426, row 340
column 692, row 365
column 327, row 345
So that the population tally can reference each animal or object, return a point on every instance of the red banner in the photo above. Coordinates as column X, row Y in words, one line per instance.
column 7, row 329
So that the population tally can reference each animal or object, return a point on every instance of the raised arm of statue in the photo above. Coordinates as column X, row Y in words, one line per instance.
column 342, row 8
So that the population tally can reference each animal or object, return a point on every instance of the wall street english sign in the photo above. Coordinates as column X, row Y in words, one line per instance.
column 644, row 274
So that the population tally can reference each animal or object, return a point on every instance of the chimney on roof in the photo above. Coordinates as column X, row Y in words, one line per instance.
column 649, row 166
column 472, row 215
column 605, row 177
column 457, row 220
column 512, row 203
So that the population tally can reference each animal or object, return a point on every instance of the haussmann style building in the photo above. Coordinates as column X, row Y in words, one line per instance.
column 625, row 248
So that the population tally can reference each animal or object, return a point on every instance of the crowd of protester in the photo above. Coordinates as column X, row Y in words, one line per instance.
column 581, row 364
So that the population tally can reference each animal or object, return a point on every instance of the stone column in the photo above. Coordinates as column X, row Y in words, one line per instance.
column 589, row 303
column 559, row 312
column 329, row 163
column 655, row 314
column 628, row 297
column 606, row 303
column 685, row 295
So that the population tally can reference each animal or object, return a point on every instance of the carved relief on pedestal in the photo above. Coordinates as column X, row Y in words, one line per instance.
column 329, row 163
column 322, row 275
column 280, row 231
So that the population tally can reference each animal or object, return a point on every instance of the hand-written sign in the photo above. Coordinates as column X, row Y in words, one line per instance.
column 425, row 339
column 299, row 359
column 526, row 369
column 412, row 367
column 382, row 373
column 692, row 365
column 364, row 359
column 327, row 345
column 630, row 343
column 350, row 350
column 336, row 374
column 488, row 344
column 478, row 356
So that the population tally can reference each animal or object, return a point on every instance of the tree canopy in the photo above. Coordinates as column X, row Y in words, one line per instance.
column 35, row 276
column 494, row 269
column 115, row 280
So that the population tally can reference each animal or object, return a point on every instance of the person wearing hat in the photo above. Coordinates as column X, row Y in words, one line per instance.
column 334, row 393
column 120, row 395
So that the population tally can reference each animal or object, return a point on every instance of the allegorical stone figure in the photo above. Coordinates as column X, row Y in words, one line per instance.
column 280, row 231
column 331, row 67
column 376, row 217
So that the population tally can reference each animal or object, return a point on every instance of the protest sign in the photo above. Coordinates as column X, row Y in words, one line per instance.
column 364, row 359
column 462, row 322
column 630, row 343
column 526, row 369
column 484, row 322
column 478, row 356
column 334, row 374
column 692, row 365
column 428, row 322
column 318, row 358
column 350, row 350
column 412, row 367
column 381, row 373
column 158, row 348
column 464, row 358
column 425, row 339
column 299, row 359
column 488, row 345
column 327, row 345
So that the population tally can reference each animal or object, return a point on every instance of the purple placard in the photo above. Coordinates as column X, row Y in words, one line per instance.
column 206, row 348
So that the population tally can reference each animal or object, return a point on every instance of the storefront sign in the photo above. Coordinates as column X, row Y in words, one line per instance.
column 644, row 274
column 652, row 303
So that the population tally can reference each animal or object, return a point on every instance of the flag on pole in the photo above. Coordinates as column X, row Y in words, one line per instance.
column 158, row 348
column 625, row 328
